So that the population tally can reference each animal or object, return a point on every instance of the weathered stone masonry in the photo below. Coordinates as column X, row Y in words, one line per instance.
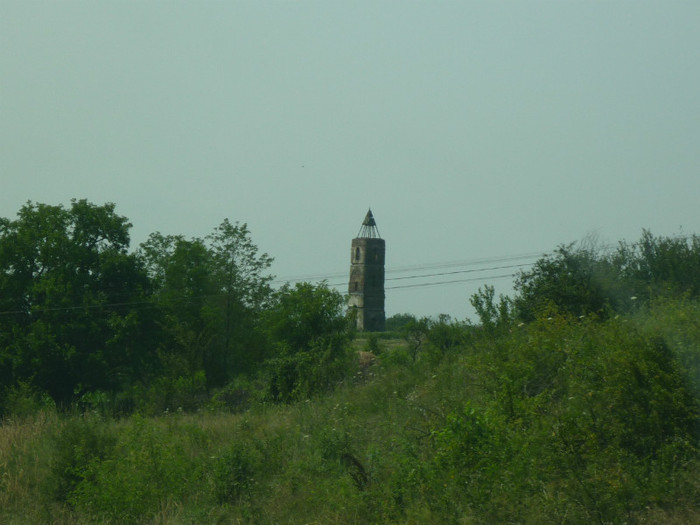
column 366, row 286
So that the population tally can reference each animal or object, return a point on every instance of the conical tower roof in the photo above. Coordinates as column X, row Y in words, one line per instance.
column 369, row 229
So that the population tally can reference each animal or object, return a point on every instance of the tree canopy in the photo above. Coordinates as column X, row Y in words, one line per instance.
column 70, row 296
column 83, row 316
column 581, row 280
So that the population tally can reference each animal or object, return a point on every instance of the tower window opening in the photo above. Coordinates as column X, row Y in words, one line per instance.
column 357, row 253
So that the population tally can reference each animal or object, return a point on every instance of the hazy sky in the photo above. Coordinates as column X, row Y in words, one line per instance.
column 476, row 131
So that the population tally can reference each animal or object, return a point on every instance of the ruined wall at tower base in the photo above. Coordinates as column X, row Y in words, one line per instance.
column 369, row 313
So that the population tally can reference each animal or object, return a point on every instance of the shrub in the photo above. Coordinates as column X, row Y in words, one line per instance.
column 233, row 474
column 80, row 444
column 235, row 397
column 22, row 400
column 372, row 344
column 300, row 375
column 147, row 468
column 397, row 322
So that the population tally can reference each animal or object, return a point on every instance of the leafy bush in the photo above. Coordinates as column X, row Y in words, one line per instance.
column 233, row 474
column 78, row 445
column 306, row 373
column 573, row 280
column 560, row 420
column 397, row 322
column 582, row 280
column 168, row 394
column 238, row 396
column 445, row 334
column 310, row 333
column 146, row 468
column 492, row 315
column 372, row 345
column 583, row 408
column 471, row 452
column 22, row 400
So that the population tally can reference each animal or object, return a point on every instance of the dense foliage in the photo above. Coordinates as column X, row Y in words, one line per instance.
column 70, row 301
column 562, row 420
column 86, row 322
column 310, row 336
column 582, row 280
column 575, row 401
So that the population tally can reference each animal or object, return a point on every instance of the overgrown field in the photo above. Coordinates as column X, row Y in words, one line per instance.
column 565, row 419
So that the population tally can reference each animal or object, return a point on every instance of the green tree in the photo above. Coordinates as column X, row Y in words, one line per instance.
column 576, row 281
column 211, row 293
column 415, row 333
column 655, row 266
column 244, row 292
column 305, row 313
column 308, row 331
column 187, row 288
column 491, row 314
column 397, row 322
column 445, row 334
column 583, row 280
column 71, row 298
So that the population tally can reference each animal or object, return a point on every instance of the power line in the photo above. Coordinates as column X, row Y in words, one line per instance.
column 467, row 262
column 37, row 310
column 457, row 272
column 421, row 276
column 438, row 283
column 421, row 266
column 437, row 265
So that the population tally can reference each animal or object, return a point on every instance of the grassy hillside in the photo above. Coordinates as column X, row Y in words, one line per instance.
column 562, row 420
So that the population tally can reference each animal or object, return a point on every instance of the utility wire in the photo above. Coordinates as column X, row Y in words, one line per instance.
column 472, row 262
column 392, row 270
column 81, row 307
column 438, row 283
column 417, row 267
column 457, row 271
column 420, row 276
column 337, row 285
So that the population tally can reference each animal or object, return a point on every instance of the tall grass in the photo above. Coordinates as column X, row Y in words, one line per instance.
column 560, row 421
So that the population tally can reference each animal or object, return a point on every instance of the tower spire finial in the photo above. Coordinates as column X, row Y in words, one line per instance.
column 369, row 229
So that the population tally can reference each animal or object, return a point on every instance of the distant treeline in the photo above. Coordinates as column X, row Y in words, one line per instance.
column 84, row 320
column 177, row 322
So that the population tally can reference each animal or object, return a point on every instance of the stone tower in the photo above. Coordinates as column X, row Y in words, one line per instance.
column 366, row 286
